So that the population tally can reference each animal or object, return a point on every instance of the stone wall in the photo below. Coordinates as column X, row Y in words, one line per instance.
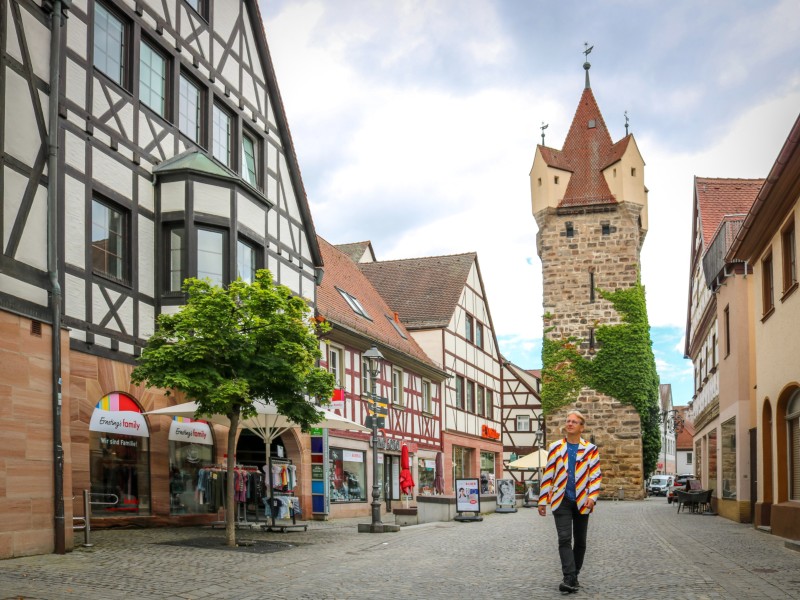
column 581, row 251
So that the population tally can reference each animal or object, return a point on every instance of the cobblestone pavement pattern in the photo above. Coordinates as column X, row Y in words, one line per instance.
column 636, row 550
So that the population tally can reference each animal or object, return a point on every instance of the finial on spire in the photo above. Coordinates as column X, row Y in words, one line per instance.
column 587, row 50
column 543, row 127
column 626, row 122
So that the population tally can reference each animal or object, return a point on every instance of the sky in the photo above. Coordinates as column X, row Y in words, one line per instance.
column 415, row 123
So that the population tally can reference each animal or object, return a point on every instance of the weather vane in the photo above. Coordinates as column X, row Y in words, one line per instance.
column 587, row 50
column 543, row 127
column 626, row 122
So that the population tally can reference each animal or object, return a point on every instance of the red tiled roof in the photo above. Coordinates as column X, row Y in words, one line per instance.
column 341, row 272
column 718, row 199
column 587, row 151
column 425, row 291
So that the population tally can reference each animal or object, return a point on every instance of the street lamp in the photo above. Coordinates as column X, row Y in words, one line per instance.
column 374, row 358
column 672, row 422
column 540, row 441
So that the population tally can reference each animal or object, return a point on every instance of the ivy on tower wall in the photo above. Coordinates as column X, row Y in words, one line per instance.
column 624, row 367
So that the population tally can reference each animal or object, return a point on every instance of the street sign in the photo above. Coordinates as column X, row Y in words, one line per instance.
column 379, row 409
column 380, row 420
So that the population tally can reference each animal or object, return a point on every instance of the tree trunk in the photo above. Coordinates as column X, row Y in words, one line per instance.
column 230, row 511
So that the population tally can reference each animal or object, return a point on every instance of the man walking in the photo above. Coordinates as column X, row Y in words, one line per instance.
column 570, row 485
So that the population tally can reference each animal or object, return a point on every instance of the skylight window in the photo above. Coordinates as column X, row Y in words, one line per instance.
column 396, row 326
column 353, row 303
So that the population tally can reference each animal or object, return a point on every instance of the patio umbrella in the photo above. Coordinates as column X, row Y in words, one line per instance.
column 530, row 462
column 406, row 480
column 438, row 480
column 267, row 423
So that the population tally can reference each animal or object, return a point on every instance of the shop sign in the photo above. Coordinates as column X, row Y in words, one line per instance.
column 116, row 413
column 489, row 433
column 352, row 456
column 389, row 444
column 185, row 430
column 317, row 472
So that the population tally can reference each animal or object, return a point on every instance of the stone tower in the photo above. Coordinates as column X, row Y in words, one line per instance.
column 590, row 203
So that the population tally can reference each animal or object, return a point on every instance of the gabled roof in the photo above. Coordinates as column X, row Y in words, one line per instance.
column 341, row 273
column 425, row 291
column 588, row 150
column 358, row 251
column 718, row 198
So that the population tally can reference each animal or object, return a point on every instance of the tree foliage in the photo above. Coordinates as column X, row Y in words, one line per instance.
column 624, row 367
column 228, row 346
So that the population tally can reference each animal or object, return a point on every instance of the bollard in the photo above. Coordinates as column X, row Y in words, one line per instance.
column 621, row 493
column 87, row 527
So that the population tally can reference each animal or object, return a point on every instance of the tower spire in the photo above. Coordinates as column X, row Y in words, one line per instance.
column 587, row 65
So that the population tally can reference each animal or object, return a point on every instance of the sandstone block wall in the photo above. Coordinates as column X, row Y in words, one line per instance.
column 596, row 247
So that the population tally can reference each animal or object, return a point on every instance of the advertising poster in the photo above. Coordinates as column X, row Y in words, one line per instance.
column 505, row 493
column 468, row 495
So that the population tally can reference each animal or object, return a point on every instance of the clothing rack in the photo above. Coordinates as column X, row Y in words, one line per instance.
column 273, row 503
column 240, row 503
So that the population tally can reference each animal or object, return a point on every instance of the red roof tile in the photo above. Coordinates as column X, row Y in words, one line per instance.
column 718, row 199
column 341, row 272
column 587, row 151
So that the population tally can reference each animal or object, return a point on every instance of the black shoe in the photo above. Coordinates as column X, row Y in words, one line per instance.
column 567, row 586
column 575, row 581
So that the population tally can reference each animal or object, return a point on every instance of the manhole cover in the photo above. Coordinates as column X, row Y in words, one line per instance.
column 765, row 570
column 244, row 545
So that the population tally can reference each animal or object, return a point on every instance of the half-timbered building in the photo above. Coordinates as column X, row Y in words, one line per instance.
column 523, row 420
column 408, row 379
column 442, row 301
column 142, row 142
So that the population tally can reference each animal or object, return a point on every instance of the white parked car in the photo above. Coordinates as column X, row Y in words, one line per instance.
column 659, row 484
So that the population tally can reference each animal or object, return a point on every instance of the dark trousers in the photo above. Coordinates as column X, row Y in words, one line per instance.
column 571, row 525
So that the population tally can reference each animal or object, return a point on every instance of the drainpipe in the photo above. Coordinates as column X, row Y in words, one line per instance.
column 56, row 24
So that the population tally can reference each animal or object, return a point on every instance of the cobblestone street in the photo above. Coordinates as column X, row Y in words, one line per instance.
column 636, row 550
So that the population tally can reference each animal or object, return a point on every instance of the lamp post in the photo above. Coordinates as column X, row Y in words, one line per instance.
column 374, row 358
column 672, row 422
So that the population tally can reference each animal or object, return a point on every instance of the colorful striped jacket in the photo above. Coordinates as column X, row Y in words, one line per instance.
column 587, row 475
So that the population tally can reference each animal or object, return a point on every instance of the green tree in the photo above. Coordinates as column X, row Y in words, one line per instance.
column 228, row 346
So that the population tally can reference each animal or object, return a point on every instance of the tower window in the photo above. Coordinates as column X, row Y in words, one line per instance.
column 570, row 229
column 606, row 229
column 633, row 171
column 591, row 286
column 540, row 182
column 555, row 179
column 591, row 338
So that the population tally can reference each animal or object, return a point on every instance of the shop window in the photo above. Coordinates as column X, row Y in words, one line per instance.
column 487, row 466
column 110, row 44
column 728, row 458
column 119, row 457
column 793, row 425
column 713, row 454
column 347, row 473
column 460, row 462
column 426, row 473
column 110, row 240
column 191, row 448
